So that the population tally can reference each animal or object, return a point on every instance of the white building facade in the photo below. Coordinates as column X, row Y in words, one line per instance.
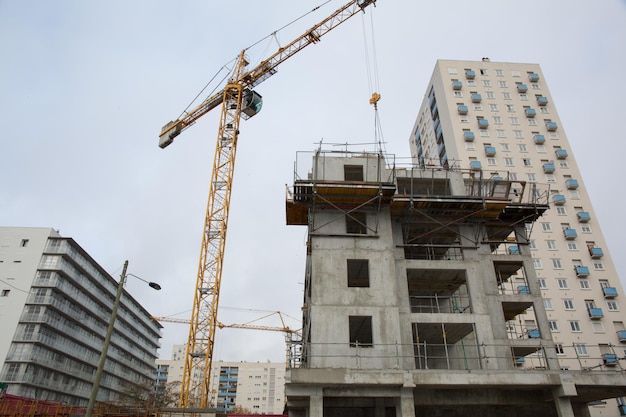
column 55, row 305
column 258, row 387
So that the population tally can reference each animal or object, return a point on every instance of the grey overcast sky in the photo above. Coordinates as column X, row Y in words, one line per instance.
column 85, row 87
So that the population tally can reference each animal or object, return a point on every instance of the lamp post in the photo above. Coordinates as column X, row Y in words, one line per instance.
column 107, row 339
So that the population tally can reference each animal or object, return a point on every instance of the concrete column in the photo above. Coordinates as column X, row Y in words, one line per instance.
column 563, row 406
column 316, row 404
column 406, row 408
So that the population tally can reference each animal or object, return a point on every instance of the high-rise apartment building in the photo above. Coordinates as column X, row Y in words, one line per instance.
column 55, row 305
column 453, row 285
column 501, row 118
column 257, row 387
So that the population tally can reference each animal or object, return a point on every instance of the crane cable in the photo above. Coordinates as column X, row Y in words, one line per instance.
column 373, row 81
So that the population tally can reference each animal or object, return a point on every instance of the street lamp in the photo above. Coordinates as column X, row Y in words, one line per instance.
column 107, row 339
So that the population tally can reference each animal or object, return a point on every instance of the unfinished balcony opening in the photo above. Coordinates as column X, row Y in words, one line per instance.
column 359, row 406
column 511, row 277
column 431, row 241
column 438, row 291
column 423, row 186
column 446, row 346
column 529, row 357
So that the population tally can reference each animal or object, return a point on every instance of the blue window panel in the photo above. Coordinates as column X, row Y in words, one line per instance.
column 483, row 123
column 582, row 271
column 468, row 136
column 609, row 292
column 533, row 77
column 609, row 359
column 571, row 184
column 470, row 75
column 463, row 109
column 621, row 335
column 548, row 168
column 552, row 126
column 490, row 150
column 583, row 216
column 476, row 98
column 530, row 113
column 570, row 234
column 456, row 85
column 475, row 165
column 534, row 333
column 542, row 101
column 514, row 250
column 596, row 313
column 520, row 360
column 559, row 199
column 596, row 253
column 523, row 289
column 522, row 88
column 539, row 139
column 561, row 153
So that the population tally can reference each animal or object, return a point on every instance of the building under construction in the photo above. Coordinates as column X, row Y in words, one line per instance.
column 416, row 280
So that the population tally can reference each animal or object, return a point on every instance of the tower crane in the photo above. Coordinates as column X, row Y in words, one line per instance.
column 237, row 99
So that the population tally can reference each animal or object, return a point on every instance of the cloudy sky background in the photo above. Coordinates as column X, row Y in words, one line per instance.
column 86, row 86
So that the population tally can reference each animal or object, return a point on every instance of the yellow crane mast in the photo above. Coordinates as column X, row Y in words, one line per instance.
column 237, row 100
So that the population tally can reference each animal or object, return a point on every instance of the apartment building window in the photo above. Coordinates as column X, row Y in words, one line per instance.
column 568, row 303
column 532, row 245
column 502, row 84
column 360, row 328
column 490, row 94
column 506, row 95
column 358, row 273
column 574, row 325
column 551, row 244
column 597, row 327
column 510, row 108
column 499, row 73
column 535, row 86
column 521, row 146
column 611, row 305
column 527, row 162
column 537, row 263
column 554, row 325
column 547, row 303
column 478, row 106
column 523, row 97
column 493, row 107
column 546, row 227
column 515, row 73
column 581, row 349
column 491, row 161
column 557, row 264
column 353, row 172
column 464, row 119
column 543, row 284
column 561, row 211
column 470, row 146
column 559, row 349
column 584, row 284
column 356, row 223
column 540, row 148
column 584, row 228
column 458, row 93
column 514, row 120
column 572, row 246
column 513, row 176
column 598, row 265
column 550, row 178
column 574, row 195
column 509, row 162
column 501, row 133
column 497, row 120
column 484, row 133
column 563, row 164
column 486, row 83
column 471, row 83
column 532, row 122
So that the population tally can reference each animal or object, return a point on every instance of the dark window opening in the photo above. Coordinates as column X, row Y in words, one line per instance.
column 353, row 172
column 356, row 223
column 361, row 331
column 358, row 273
